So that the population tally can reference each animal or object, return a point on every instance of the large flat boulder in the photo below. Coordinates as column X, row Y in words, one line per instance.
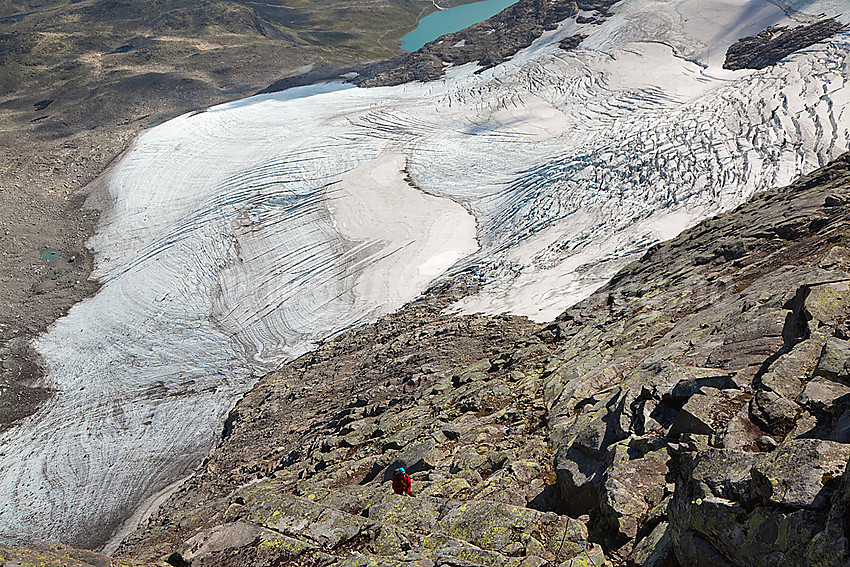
column 707, row 412
column 801, row 473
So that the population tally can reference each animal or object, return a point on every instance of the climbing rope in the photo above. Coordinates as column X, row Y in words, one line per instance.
column 580, row 540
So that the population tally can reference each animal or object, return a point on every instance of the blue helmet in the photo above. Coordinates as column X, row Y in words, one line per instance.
column 400, row 469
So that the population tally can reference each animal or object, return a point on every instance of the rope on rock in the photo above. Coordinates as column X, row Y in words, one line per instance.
column 580, row 540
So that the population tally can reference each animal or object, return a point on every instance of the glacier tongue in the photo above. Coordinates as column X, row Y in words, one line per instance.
column 233, row 238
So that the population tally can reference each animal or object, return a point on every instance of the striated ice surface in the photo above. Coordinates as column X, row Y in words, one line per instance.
column 232, row 239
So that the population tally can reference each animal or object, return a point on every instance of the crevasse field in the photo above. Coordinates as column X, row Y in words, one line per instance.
column 233, row 239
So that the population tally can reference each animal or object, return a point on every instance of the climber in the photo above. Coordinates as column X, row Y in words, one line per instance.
column 401, row 482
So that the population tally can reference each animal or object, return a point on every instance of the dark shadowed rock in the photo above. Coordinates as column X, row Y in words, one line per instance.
column 777, row 42
column 653, row 550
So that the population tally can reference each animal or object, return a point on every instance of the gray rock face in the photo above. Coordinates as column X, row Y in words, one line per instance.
column 834, row 362
column 801, row 473
column 757, row 431
column 774, row 43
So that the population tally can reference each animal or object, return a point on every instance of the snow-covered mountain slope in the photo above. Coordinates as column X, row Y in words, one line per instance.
column 232, row 239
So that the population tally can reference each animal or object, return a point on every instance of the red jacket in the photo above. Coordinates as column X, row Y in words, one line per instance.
column 401, row 483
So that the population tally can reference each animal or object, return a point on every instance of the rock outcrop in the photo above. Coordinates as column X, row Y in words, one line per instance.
column 724, row 350
column 773, row 44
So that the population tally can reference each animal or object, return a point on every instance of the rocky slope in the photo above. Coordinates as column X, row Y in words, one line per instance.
column 709, row 377
column 694, row 411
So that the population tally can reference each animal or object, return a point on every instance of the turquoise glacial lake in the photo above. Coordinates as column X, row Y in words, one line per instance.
column 451, row 20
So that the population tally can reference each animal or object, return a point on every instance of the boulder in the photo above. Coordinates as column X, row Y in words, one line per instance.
column 448, row 551
column 820, row 395
column 597, row 434
column 416, row 457
column 708, row 412
column 668, row 380
column 599, row 424
column 418, row 515
column 718, row 530
column 773, row 413
column 225, row 536
column 834, row 361
column 741, row 433
column 318, row 523
column 787, row 374
column 624, row 498
column 829, row 304
column 832, row 546
column 579, row 479
column 488, row 525
column 801, row 473
column 841, row 424
column 726, row 472
column 467, row 459
column 694, row 551
column 654, row 549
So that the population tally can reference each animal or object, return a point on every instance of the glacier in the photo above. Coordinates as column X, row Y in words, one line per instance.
column 233, row 239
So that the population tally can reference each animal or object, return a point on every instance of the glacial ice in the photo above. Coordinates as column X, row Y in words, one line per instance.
column 233, row 239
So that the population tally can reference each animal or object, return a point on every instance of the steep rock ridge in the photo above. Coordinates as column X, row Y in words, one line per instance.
column 694, row 411
column 709, row 377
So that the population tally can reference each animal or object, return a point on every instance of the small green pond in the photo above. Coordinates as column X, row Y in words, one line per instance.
column 51, row 256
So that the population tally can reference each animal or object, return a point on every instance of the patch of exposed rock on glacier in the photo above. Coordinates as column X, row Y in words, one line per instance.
column 235, row 238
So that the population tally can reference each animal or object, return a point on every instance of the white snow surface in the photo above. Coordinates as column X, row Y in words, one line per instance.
column 233, row 239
